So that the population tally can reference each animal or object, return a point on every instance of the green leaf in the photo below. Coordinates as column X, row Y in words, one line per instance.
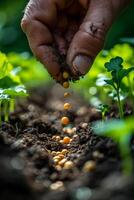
column 5, row 66
column 115, row 64
column 7, row 82
column 18, row 91
column 110, row 82
column 124, row 72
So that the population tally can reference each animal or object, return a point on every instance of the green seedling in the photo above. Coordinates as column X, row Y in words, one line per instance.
column 10, row 88
column 121, row 132
column 118, row 73
column 103, row 108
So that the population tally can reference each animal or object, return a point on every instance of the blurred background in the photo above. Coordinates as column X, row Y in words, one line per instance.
column 13, row 39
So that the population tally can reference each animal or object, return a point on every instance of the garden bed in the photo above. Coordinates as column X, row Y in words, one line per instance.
column 27, row 145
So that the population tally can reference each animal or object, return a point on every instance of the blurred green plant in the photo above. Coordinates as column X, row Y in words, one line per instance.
column 115, row 67
column 121, row 132
column 93, row 85
column 11, row 87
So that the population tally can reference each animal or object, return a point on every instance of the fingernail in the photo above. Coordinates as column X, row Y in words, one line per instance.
column 81, row 64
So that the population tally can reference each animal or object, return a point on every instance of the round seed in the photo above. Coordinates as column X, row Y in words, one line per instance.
column 89, row 166
column 67, row 106
column 66, row 94
column 65, row 75
column 68, row 165
column 64, row 151
column 66, row 84
column 65, row 121
column 66, row 140
column 61, row 163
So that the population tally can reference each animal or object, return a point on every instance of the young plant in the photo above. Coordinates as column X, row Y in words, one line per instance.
column 103, row 108
column 118, row 73
column 121, row 132
column 10, row 88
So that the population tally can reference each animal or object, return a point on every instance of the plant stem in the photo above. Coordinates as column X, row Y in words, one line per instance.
column 0, row 112
column 11, row 105
column 6, row 114
column 119, row 104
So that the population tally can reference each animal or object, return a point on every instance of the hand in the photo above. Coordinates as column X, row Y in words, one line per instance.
column 76, row 28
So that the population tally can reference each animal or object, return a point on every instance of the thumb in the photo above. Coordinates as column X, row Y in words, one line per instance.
column 89, row 39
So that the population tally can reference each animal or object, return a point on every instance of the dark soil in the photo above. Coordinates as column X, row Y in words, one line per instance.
column 27, row 168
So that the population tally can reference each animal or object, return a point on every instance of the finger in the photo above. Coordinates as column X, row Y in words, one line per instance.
column 89, row 40
column 40, row 16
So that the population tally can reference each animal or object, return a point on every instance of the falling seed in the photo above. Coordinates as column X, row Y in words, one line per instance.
column 66, row 140
column 68, row 165
column 65, row 121
column 65, row 75
column 66, row 94
column 66, row 84
column 89, row 166
column 67, row 106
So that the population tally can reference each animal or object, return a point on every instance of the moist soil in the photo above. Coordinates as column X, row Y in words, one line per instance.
column 27, row 145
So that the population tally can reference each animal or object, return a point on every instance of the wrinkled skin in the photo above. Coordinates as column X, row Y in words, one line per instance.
column 77, row 28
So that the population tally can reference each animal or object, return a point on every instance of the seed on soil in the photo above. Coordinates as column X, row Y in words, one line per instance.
column 66, row 84
column 66, row 94
column 61, row 156
column 53, row 153
column 61, row 141
column 66, row 140
column 57, row 186
column 65, row 121
column 97, row 154
column 58, row 152
column 54, row 137
column 67, row 106
column 57, row 158
column 62, row 162
column 65, row 75
column 58, row 167
column 84, row 125
column 64, row 151
column 68, row 165
column 89, row 166
column 56, row 161
column 57, row 138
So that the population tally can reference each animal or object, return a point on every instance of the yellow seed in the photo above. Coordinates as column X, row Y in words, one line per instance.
column 64, row 151
column 56, row 161
column 61, row 141
column 53, row 153
column 57, row 158
column 66, row 94
column 66, row 140
column 97, row 154
column 67, row 106
column 66, row 84
column 57, row 138
column 58, row 167
column 54, row 137
column 65, row 121
column 89, row 166
column 65, row 75
column 61, row 163
column 58, row 152
column 68, row 165
column 61, row 156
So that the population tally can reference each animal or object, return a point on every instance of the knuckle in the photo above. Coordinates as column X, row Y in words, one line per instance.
column 24, row 24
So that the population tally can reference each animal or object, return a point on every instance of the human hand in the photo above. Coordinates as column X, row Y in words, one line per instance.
column 76, row 28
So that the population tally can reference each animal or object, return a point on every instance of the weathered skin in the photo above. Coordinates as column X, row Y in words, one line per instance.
column 77, row 27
